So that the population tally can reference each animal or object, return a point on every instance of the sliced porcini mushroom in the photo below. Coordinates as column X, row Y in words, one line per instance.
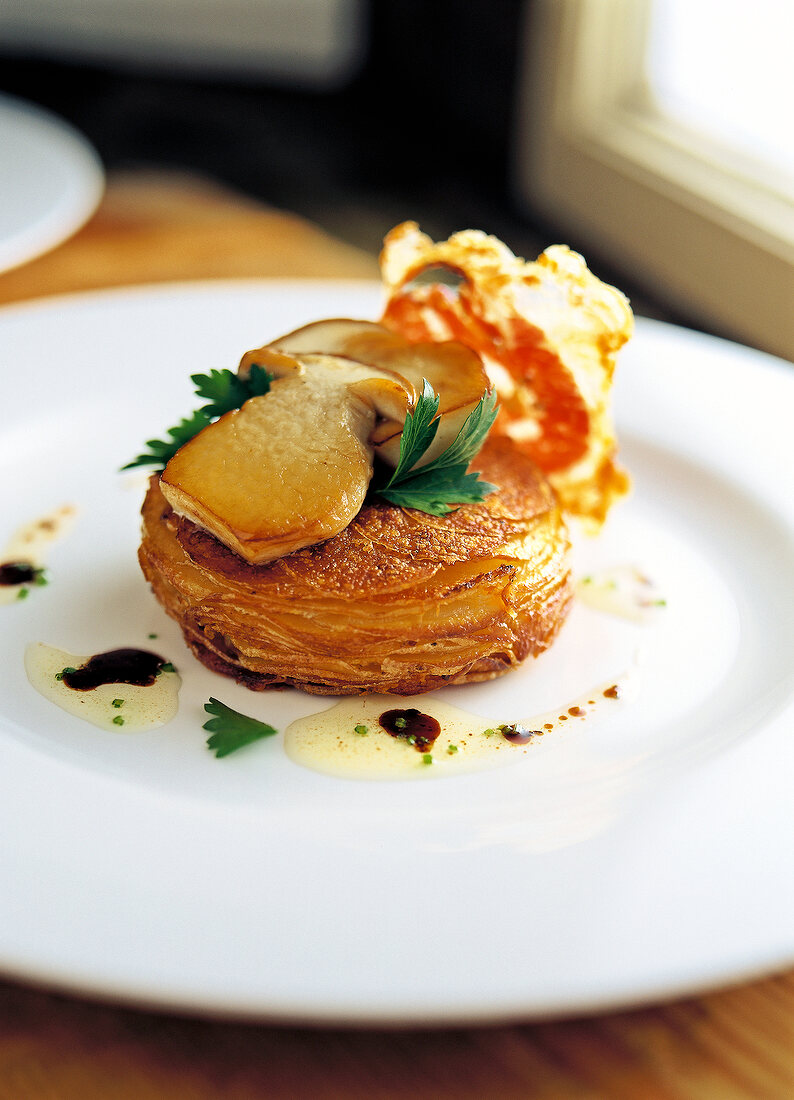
column 454, row 371
column 457, row 376
column 291, row 467
column 339, row 336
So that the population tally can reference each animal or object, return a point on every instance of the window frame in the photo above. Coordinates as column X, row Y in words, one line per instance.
column 682, row 216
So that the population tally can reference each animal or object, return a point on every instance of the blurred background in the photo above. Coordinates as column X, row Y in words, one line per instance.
column 651, row 135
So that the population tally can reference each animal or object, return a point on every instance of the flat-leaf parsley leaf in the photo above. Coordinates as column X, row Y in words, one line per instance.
column 231, row 730
column 224, row 392
column 445, row 481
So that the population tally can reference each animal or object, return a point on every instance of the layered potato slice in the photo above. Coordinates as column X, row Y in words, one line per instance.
column 398, row 602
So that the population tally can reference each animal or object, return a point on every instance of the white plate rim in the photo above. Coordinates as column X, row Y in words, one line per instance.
column 763, row 958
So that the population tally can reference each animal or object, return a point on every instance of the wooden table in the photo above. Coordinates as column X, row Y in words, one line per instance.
column 730, row 1044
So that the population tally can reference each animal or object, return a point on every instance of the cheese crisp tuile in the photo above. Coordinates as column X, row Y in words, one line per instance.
column 548, row 331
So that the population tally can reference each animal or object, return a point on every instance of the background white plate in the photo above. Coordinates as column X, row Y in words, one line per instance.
column 51, row 181
column 638, row 855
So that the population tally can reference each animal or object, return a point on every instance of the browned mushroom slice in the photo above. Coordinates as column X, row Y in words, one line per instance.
column 455, row 372
column 290, row 468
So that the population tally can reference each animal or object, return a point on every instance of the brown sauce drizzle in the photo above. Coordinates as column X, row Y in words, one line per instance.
column 518, row 735
column 117, row 666
column 17, row 572
column 420, row 730
column 612, row 692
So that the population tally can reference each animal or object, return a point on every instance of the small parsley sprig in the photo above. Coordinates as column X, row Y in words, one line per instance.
column 223, row 391
column 231, row 730
column 439, row 485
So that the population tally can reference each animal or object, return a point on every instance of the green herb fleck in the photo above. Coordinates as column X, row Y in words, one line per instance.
column 231, row 730
column 225, row 391
column 23, row 593
column 166, row 666
column 489, row 732
column 118, row 720
column 451, row 750
column 64, row 672
column 445, row 481
column 152, row 635
column 117, row 703
column 400, row 723
column 362, row 731
column 427, row 758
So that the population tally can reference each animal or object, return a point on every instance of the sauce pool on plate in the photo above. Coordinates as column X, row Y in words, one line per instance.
column 370, row 738
column 121, row 690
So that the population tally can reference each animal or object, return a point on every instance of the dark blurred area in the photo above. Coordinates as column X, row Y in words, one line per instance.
column 421, row 127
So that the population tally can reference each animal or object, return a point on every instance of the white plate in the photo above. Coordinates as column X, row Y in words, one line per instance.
column 51, row 181
column 641, row 855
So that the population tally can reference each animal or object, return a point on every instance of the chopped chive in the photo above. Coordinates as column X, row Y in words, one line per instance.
column 400, row 723
column 427, row 758
column 151, row 635
column 118, row 703
column 489, row 732
column 23, row 593
column 118, row 720
column 451, row 750
column 166, row 667
column 362, row 731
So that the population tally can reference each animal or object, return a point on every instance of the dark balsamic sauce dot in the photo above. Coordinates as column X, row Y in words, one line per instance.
column 17, row 572
column 612, row 692
column 577, row 712
column 418, row 729
column 117, row 666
